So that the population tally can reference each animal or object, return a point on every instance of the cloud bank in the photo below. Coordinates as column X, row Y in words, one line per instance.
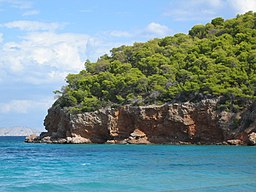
column 25, row 25
column 207, row 9
column 25, row 106
column 243, row 6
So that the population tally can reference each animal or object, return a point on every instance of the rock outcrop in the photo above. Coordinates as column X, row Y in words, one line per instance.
column 31, row 138
column 252, row 138
column 179, row 123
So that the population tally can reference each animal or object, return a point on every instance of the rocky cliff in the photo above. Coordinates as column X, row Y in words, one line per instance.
column 179, row 123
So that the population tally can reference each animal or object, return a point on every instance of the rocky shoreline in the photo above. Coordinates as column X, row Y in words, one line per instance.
column 178, row 123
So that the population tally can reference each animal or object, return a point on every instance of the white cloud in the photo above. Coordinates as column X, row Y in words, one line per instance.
column 56, row 76
column 46, row 57
column 24, row 106
column 157, row 29
column 243, row 6
column 32, row 25
column 25, row 6
column 194, row 9
column 152, row 30
column 41, row 55
column 15, row 64
column 86, row 10
column 44, row 77
column 1, row 38
column 46, row 52
column 215, row 3
column 31, row 12
column 206, row 9
column 20, row 4
column 120, row 34
column 62, row 51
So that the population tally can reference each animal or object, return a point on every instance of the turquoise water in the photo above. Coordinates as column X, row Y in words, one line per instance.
column 44, row 167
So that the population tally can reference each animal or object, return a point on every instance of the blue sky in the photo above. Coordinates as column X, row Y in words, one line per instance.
column 41, row 41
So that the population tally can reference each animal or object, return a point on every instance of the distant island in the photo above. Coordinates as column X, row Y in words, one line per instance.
column 195, row 88
column 18, row 131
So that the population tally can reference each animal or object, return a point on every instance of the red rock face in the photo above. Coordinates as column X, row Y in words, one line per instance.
column 172, row 124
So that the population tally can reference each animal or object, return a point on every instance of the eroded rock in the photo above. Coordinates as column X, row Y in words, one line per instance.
column 31, row 138
column 252, row 138
column 178, row 123
column 137, row 137
column 234, row 142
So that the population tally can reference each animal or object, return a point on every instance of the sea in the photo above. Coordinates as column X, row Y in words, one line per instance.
column 105, row 167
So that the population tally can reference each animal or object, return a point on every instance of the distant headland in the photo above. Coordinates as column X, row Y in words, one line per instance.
column 18, row 131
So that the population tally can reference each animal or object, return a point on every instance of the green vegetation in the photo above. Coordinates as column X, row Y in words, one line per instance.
column 213, row 60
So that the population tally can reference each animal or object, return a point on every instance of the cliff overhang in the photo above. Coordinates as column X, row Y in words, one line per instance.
column 177, row 123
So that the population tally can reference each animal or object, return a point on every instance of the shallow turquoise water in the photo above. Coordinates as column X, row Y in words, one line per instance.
column 44, row 167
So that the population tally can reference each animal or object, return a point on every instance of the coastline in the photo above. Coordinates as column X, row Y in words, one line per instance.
column 176, row 124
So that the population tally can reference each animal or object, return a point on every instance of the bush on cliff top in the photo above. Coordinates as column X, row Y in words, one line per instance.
column 216, row 59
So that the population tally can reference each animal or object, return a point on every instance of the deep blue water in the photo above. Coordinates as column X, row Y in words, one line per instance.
column 54, row 167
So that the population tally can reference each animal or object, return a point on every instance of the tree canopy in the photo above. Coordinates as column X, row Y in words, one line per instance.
column 213, row 60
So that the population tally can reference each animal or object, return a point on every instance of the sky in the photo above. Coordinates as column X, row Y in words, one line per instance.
column 41, row 41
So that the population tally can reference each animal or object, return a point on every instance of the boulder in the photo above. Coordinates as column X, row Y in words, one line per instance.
column 252, row 138
column 31, row 138
column 234, row 142
column 137, row 137
column 77, row 140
